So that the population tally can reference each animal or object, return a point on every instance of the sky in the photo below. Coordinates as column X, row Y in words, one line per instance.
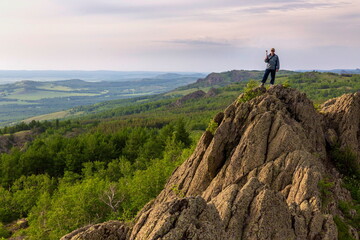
column 178, row 35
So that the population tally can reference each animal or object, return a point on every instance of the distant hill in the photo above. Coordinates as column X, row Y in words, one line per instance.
column 27, row 98
column 339, row 71
column 226, row 78
column 10, row 76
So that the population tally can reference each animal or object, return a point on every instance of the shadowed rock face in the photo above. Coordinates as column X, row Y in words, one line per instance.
column 256, row 177
column 342, row 116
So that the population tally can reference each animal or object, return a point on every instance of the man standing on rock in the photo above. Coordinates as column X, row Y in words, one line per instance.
column 273, row 65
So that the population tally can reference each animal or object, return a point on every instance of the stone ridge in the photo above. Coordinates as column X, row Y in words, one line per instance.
column 257, row 176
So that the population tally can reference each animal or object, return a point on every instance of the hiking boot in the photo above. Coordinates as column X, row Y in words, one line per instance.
column 262, row 85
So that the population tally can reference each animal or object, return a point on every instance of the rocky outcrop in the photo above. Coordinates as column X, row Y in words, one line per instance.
column 113, row 230
column 260, row 171
column 256, row 177
column 19, row 139
column 194, row 95
column 225, row 78
column 342, row 116
column 212, row 79
column 212, row 92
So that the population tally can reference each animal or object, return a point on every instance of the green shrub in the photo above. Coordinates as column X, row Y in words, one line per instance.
column 351, row 212
column 345, row 208
column 343, row 229
column 353, row 185
column 286, row 84
column 324, row 187
column 250, row 92
column 345, row 161
column 212, row 126
column 178, row 192
column 4, row 233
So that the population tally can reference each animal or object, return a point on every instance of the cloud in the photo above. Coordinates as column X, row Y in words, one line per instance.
column 197, row 34
column 200, row 42
column 158, row 8
column 284, row 7
column 144, row 8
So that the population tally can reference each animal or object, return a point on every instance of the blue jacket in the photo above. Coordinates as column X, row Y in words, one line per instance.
column 273, row 62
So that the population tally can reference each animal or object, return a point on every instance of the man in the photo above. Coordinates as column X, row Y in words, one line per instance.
column 273, row 65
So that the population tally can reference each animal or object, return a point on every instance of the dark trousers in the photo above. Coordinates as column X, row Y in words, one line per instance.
column 266, row 74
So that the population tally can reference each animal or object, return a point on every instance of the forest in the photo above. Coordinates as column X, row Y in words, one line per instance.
column 62, row 182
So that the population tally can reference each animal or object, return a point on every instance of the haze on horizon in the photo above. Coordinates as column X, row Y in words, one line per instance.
column 161, row 35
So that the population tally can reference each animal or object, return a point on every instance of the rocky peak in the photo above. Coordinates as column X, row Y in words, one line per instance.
column 255, row 177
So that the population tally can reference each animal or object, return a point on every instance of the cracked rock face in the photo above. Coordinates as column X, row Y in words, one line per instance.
column 255, row 178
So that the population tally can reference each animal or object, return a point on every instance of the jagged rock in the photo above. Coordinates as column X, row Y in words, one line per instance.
column 265, row 156
column 343, row 115
column 331, row 137
column 187, row 218
column 257, row 176
column 113, row 230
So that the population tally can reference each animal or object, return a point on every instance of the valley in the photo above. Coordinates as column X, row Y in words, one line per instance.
column 24, row 99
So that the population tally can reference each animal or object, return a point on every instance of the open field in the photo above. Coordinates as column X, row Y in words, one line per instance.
column 38, row 95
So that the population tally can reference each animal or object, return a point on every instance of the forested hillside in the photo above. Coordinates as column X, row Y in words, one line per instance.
column 112, row 161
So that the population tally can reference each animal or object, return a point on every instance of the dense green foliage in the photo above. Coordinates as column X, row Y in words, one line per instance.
column 4, row 233
column 346, row 162
column 62, row 182
column 35, row 125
